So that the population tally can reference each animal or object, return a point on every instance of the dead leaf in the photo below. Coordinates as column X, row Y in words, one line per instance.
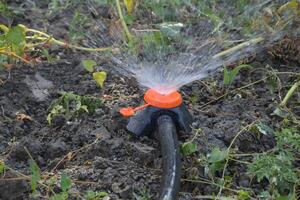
column 23, row 117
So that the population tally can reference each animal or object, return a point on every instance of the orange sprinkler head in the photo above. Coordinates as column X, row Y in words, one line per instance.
column 159, row 100
column 155, row 99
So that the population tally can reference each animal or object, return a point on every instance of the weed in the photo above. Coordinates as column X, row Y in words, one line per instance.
column 55, row 6
column 2, row 167
column 188, row 148
column 77, row 26
column 65, row 185
column 229, row 75
column 12, row 43
column 91, row 195
column 89, row 65
column 5, row 10
column 35, row 175
column 99, row 77
column 70, row 105
column 143, row 194
column 277, row 167
column 288, row 139
column 216, row 160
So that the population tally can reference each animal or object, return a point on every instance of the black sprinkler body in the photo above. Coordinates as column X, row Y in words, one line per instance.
column 144, row 122
column 166, row 115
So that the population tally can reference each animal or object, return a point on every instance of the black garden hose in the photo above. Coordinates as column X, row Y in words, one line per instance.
column 167, row 135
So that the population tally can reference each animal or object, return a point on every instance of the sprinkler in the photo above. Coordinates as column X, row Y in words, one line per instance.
column 166, row 115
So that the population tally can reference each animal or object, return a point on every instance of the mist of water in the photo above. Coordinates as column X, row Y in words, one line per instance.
column 193, row 60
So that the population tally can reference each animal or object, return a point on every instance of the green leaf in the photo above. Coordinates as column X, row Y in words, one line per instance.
column 89, row 65
column 288, row 138
column 216, row 160
column 243, row 195
column 264, row 129
column 188, row 148
column 60, row 196
column 129, row 5
column 91, row 195
column 229, row 76
column 217, row 155
column 16, row 38
column 65, row 182
column 2, row 167
column 276, row 168
column 99, row 77
column 280, row 112
column 35, row 174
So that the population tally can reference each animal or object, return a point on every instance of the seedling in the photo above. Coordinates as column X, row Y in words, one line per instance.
column 70, row 105
column 99, row 77
column 229, row 75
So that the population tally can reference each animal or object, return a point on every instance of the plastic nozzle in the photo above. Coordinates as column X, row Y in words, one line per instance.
column 130, row 111
column 157, row 100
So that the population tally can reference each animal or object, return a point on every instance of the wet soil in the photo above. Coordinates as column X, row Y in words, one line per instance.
column 96, row 150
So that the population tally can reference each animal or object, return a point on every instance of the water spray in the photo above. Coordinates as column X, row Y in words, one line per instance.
column 166, row 115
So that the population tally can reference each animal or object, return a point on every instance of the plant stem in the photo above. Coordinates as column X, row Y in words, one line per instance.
column 238, row 47
column 128, row 34
column 290, row 93
column 46, row 37
column 227, row 159
column 14, row 55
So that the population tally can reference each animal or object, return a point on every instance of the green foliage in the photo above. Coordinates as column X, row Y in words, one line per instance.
column 56, row 6
column 65, row 185
column 35, row 175
column 2, row 167
column 243, row 195
column 71, row 105
column 264, row 129
column 229, row 75
column 143, row 194
column 13, row 40
column 77, row 26
column 89, row 65
column 99, row 77
column 5, row 10
column 151, row 46
column 188, row 148
column 288, row 139
column 277, row 167
column 216, row 160
column 91, row 195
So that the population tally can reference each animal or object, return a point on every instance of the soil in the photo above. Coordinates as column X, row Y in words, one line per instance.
column 97, row 151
